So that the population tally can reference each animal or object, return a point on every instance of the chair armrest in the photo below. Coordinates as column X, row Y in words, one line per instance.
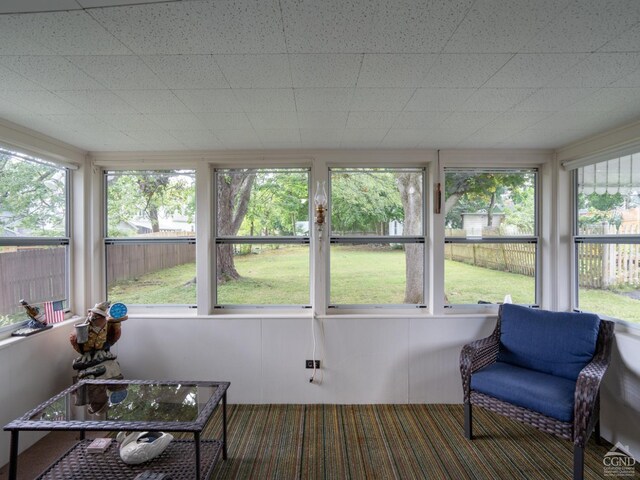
column 476, row 355
column 586, row 399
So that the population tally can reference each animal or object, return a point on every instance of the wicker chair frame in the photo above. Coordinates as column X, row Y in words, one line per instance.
column 586, row 417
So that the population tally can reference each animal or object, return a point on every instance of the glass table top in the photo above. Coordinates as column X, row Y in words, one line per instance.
column 130, row 401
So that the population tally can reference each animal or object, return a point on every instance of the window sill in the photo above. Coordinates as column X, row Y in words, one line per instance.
column 7, row 340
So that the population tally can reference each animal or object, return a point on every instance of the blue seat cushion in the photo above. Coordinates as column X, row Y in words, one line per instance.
column 558, row 343
column 549, row 395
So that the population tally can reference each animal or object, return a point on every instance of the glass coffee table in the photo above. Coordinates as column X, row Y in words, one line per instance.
column 132, row 406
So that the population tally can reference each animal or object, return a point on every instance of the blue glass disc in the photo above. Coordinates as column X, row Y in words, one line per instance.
column 118, row 310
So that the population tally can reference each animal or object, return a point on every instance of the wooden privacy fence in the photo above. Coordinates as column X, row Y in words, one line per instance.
column 128, row 261
column 36, row 274
column 507, row 257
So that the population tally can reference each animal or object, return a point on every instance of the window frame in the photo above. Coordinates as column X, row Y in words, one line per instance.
column 221, row 308
column 333, row 239
column 64, row 240
column 502, row 239
column 107, row 240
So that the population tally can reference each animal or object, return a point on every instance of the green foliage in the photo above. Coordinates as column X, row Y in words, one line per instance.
column 600, row 208
column 150, row 196
column 32, row 198
column 364, row 201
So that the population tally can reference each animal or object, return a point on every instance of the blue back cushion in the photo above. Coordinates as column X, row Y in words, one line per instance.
column 558, row 343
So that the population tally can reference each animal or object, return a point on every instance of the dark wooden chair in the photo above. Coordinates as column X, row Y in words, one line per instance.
column 541, row 368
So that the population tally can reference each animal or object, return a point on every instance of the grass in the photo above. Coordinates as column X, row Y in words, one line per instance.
column 359, row 276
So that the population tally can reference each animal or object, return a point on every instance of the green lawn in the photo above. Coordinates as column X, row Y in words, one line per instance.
column 360, row 275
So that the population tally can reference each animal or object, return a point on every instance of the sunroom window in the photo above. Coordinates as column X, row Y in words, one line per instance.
column 262, row 237
column 377, row 253
column 150, row 237
column 491, row 236
column 607, row 238
column 34, row 239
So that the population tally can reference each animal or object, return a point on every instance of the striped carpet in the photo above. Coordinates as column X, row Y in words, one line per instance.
column 389, row 442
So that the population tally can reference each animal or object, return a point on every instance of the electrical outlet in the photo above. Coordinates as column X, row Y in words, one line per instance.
column 309, row 363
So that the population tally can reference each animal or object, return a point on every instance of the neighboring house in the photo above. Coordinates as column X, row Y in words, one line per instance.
column 474, row 223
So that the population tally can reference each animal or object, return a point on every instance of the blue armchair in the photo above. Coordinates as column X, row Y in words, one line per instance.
column 542, row 368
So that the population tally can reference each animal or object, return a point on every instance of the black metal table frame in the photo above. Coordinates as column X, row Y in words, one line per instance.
column 25, row 424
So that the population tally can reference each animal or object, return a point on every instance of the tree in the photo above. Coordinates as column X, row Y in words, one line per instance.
column 410, row 188
column 32, row 197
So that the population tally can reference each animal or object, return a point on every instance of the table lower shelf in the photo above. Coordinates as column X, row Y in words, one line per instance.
column 178, row 461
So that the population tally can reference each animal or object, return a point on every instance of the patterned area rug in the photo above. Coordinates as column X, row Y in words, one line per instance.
column 389, row 442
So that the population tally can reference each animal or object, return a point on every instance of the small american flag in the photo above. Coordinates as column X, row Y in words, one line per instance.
column 54, row 311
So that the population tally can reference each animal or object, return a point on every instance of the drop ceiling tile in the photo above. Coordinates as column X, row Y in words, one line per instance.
column 96, row 101
column 468, row 122
column 322, row 120
column 152, row 101
column 176, row 121
column 118, row 72
column 72, row 33
column 239, row 138
column 394, row 70
column 553, row 99
column 241, row 26
column 463, row 70
column 13, row 6
column 278, row 135
column 128, row 121
column 589, row 122
column 106, row 140
column 209, row 101
column 380, row 99
column 438, row 99
column 323, row 99
column 225, row 120
column 51, row 72
column 631, row 80
column 196, row 139
column 502, row 26
column 40, row 102
column 325, row 70
column 420, row 120
column 372, row 120
column 533, row 70
column 112, row 3
column 156, row 140
column 273, row 120
column 266, row 100
column 363, row 137
column 403, row 138
column 607, row 99
column 495, row 99
column 513, row 122
column 16, row 40
column 256, row 71
column 83, row 123
column 187, row 71
column 321, row 137
column 327, row 27
column 585, row 26
column 12, row 81
column 598, row 70
column 629, row 41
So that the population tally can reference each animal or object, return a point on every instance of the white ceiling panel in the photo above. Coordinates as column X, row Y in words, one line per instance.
column 629, row 41
column 502, row 26
column 129, row 121
column 207, row 101
column 176, row 121
column 256, row 71
column 320, row 137
column 403, row 138
column 608, row 99
column 631, row 80
column 361, row 137
column 15, row 40
column 156, row 140
column 266, row 100
column 320, row 120
column 196, row 139
column 186, row 71
column 380, row 99
column 372, row 120
column 325, row 70
column 553, row 99
column 17, row 6
column 533, row 70
column 12, row 81
column 225, row 121
column 282, row 137
column 585, row 26
column 495, row 99
column 323, row 99
column 598, row 70
column 51, row 72
column 39, row 101
column 468, row 122
column 464, row 70
column 393, row 70
column 153, row 101
column 420, row 120
column 273, row 120
column 245, row 138
column 438, row 99
column 118, row 72
column 96, row 101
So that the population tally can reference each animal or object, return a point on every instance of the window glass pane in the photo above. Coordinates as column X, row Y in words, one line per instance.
column 377, row 274
column 150, row 203
column 608, row 197
column 376, row 201
column 35, row 274
column 32, row 197
column 609, row 279
column 489, row 203
column 275, row 274
column 263, row 203
column 487, row 272
column 151, row 273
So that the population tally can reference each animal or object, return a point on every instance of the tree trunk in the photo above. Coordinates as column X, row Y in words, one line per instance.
column 410, row 187
column 153, row 217
column 234, row 193
column 492, row 204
